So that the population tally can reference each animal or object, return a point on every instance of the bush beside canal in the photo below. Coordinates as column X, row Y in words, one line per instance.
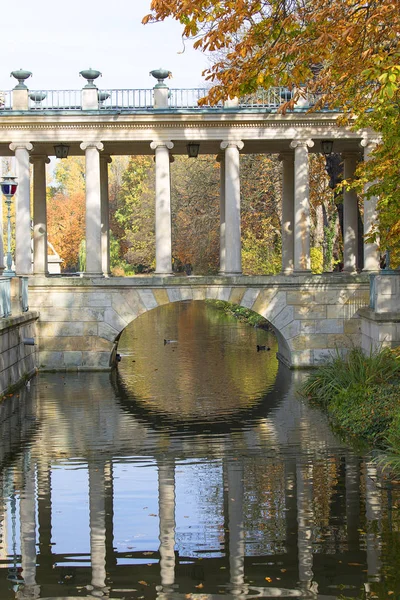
column 362, row 397
column 241, row 313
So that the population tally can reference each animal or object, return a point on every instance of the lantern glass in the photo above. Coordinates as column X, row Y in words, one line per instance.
column 9, row 186
column 327, row 147
column 61, row 150
column 193, row 149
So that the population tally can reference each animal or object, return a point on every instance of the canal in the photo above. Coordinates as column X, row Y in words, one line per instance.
column 194, row 471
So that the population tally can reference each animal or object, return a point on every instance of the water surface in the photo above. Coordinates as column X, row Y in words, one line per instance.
column 195, row 471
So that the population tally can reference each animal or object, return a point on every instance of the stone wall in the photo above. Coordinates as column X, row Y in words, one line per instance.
column 81, row 319
column 17, row 360
column 380, row 322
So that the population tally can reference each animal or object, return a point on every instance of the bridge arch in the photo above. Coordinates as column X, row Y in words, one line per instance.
column 82, row 319
column 268, row 305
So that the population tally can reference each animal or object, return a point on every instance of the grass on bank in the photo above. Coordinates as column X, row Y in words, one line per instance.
column 362, row 396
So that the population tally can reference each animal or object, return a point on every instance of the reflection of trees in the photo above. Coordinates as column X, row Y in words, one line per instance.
column 212, row 370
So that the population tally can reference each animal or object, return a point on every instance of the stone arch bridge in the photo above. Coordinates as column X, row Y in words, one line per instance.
column 82, row 319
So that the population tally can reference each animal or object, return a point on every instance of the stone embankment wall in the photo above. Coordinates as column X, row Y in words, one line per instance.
column 18, row 361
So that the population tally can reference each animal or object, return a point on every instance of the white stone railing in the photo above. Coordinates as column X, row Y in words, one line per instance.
column 5, row 297
column 143, row 99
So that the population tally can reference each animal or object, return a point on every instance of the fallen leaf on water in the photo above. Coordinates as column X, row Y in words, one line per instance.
column 268, row 579
column 143, row 582
column 199, row 586
column 283, row 570
column 147, row 553
column 354, row 564
column 152, row 515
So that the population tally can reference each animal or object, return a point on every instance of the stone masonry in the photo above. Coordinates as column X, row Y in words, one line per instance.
column 82, row 319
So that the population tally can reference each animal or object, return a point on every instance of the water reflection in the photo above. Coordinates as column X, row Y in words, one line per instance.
column 105, row 495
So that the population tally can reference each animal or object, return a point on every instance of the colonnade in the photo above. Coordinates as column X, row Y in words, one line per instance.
column 295, row 209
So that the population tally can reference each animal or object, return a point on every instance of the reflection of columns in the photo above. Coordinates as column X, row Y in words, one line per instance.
column 372, row 513
column 222, row 248
column 97, row 524
column 93, row 208
column 302, row 261
column 23, row 253
column 350, row 215
column 166, row 501
column 44, row 513
column 111, row 560
column 28, row 532
column 352, row 501
column 290, row 506
column 371, row 253
column 236, row 530
column 39, row 215
column 287, row 159
column 105, row 219
column 304, row 477
column 163, row 207
column 233, row 251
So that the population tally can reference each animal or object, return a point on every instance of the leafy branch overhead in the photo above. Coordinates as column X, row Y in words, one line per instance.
column 345, row 52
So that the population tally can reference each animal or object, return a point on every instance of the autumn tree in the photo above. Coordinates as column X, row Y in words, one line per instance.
column 66, row 226
column 344, row 53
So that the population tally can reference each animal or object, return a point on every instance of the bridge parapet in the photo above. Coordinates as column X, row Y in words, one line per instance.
column 82, row 319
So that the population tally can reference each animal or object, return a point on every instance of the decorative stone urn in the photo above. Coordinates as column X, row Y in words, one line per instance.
column 37, row 97
column 90, row 75
column 160, row 75
column 21, row 75
column 103, row 96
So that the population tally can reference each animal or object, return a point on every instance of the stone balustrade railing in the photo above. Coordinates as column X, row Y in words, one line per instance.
column 13, row 296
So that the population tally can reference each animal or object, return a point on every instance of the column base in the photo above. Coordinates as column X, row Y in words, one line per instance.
column 302, row 272
column 230, row 273
column 88, row 274
column 162, row 274
column 350, row 271
column 287, row 272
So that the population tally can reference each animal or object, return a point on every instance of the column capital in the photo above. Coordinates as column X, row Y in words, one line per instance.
column 370, row 141
column 161, row 143
column 232, row 144
column 106, row 158
column 302, row 143
column 21, row 146
column 286, row 155
column 38, row 158
column 98, row 145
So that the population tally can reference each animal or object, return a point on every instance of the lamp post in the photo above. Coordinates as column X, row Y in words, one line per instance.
column 8, row 188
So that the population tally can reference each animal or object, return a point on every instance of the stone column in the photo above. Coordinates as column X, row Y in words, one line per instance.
column 163, row 207
column 23, row 251
column 93, row 209
column 350, row 215
column 222, row 244
column 166, row 499
column 371, row 252
column 233, row 252
column 40, row 251
column 302, row 263
column 105, row 160
column 97, row 519
column 287, row 159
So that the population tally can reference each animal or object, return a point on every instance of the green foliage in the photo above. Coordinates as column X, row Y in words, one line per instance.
column 240, row 312
column 317, row 260
column 329, row 234
column 362, row 396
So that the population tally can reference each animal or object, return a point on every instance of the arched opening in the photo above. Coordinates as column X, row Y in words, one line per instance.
column 188, row 362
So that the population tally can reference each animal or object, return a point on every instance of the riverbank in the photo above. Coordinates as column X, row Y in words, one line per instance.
column 244, row 315
column 361, row 395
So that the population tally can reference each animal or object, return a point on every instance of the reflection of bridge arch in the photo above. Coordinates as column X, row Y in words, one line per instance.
column 81, row 319
column 161, row 420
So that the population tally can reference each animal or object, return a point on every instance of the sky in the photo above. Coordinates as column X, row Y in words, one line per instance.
column 57, row 40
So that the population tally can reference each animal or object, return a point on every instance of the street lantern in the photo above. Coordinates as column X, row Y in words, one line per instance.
column 61, row 150
column 9, row 187
column 193, row 149
column 327, row 147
